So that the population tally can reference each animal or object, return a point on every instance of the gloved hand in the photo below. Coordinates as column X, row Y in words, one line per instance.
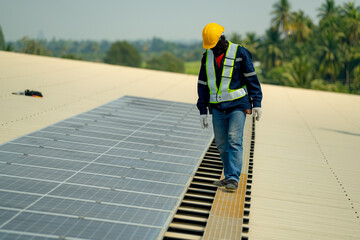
column 257, row 111
column 203, row 121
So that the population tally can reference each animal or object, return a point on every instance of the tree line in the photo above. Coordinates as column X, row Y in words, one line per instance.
column 294, row 51
column 153, row 54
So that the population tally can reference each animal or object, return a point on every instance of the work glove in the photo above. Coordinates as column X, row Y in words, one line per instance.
column 203, row 121
column 257, row 111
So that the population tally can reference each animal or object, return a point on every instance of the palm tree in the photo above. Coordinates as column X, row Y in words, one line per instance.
column 235, row 38
column 281, row 19
column 351, row 16
column 299, row 72
column 356, row 81
column 351, row 28
column 301, row 26
column 327, row 9
column 2, row 40
column 252, row 42
column 270, row 50
column 281, row 15
column 328, row 53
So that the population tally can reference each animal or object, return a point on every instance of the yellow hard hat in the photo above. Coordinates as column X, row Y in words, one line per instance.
column 211, row 35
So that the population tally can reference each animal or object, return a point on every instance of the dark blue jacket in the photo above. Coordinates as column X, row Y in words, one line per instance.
column 242, row 65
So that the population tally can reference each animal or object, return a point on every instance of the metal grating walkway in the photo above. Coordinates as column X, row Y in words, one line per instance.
column 208, row 212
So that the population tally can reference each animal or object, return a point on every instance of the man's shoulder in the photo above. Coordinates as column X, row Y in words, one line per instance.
column 243, row 51
column 240, row 47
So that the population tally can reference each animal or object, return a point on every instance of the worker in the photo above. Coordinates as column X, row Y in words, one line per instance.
column 229, row 88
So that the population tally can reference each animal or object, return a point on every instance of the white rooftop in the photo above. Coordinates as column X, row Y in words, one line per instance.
column 306, row 180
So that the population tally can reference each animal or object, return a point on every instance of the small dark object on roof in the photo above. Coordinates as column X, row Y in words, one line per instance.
column 33, row 93
column 30, row 93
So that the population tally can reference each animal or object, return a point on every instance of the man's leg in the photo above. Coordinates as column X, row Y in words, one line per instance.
column 220, row 125
column 235, row 144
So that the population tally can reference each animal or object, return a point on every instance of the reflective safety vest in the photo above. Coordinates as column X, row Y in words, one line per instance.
column 223, row 93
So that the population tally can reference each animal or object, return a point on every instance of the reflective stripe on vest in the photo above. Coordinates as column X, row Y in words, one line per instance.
column 224, row 93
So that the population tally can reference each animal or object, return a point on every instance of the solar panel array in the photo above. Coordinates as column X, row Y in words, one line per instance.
column 116, row 172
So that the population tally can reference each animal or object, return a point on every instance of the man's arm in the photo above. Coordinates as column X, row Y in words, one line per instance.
column 252, row 82
column 203, row 90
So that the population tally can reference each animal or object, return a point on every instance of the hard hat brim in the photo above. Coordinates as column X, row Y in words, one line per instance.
column 206, row 46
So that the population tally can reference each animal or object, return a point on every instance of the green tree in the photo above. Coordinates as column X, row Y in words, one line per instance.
column 356, row 81
column 235, row 38
column 32, row 46
column 9, row 48
column 301, row 26
column 123, row 53
column 299, row 72
column 350, row 16
column 281, row 15
column 270, row 49
column 166, row 62
column 2, row 40
column 327, row 9
column 71, row 56
column 193, row 55
column 157, row 45
column 281, row 20
column 252, row 43
column 276, row 76
column 328, row 53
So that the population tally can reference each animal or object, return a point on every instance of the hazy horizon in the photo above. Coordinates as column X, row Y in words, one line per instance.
column 113, row 20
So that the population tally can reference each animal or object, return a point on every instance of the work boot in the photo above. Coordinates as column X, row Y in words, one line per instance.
column 221, row 183
column 231, row 184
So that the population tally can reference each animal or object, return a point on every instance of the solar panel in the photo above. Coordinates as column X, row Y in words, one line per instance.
column 115, row 172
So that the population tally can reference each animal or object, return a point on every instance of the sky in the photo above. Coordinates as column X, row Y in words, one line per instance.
column 139, row 19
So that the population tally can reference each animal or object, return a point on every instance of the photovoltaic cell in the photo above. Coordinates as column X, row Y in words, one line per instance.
column 68, row 132
column 160, row 188
column 158, row 142
column 47, row 143
column 48, row 152
column 34, row 172
column 115, row 196
column 101, row 211
column 73, row 139
column 148, row 155
column 43, row 161
column 6, row 214
column 4, row 235
column 145, row 164
column 17, row 200
column 137, row 173
column 63, row 226
column 14, row 183
column 115, row 172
